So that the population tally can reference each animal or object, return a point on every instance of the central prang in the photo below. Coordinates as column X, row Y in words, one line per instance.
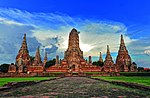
column 73, row 45
column 74, row 55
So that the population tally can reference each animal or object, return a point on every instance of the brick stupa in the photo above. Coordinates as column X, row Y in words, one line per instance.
column 37, row 65
column 23, row 58
column 108, row 63
column 100, row 57
column 123, row 60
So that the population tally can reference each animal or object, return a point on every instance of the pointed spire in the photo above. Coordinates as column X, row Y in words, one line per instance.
column 108, row 55
column 24, row 47
column 108, row 63
column 108, row 52
column 122, row 56
column 45, row 58
column 57, row 60
column 122, row 44
column 100, row 58
column 37, row 59
column 122, row 40
column 38, row 55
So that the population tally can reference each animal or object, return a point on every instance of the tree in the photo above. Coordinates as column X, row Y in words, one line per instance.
column 134, row 63
column 4, row 68
column 32, row 58
column 98, row 63
column 141, row 69
column 50, row 63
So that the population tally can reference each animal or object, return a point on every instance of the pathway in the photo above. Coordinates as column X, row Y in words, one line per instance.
column 74, row 87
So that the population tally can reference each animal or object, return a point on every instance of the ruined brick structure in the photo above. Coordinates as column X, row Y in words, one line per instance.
column 73, row 58
column 57, row 60
column 73, row 61
column 45, row 59
column 37, row 65
column 133, row 67
column 100, row 57
column 23, row 58
column 12, row 68
column 109, row 65
column 37, row 60
column 123, row 61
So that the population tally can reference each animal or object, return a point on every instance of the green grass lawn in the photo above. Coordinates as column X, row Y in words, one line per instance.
column 6, row 80
column 144, row 80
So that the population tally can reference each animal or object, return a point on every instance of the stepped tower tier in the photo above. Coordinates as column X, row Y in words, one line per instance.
column 123, row 60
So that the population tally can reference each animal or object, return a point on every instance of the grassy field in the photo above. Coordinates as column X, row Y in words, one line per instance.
column 6, row 80
column 144, row 80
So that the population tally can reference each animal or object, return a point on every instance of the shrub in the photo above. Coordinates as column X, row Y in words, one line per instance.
column 50, row 63
column 4, row 68
column 98, row 63
column 135, row 73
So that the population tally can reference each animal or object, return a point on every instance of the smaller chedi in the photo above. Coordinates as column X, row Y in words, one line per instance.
column 37, row 64
column 73, row 61
column 123, row 61
column 109, row 65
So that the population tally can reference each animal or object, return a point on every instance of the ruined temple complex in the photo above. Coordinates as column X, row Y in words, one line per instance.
column 73, row 61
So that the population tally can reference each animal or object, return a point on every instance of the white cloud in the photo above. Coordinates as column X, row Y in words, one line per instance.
column 9, row 22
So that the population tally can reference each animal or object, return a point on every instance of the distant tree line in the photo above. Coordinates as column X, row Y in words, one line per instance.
column 4, row 68
column 50, row 63
column 98, row 63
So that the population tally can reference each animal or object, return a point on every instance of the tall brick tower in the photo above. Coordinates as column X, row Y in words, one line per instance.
column 45, row 58
column 100, row 57
column 23, row 57
column 57, row 60
column 74, row 55
column 37, row 59
column 73, row 45
column 108, row 63
column 123, row 60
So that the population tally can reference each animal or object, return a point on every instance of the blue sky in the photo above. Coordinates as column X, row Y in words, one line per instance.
column 48, row 22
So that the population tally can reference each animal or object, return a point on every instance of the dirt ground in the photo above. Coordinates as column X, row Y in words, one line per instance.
column 74, row 87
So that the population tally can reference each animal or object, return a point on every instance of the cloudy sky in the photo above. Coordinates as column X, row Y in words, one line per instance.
column 47, row 24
